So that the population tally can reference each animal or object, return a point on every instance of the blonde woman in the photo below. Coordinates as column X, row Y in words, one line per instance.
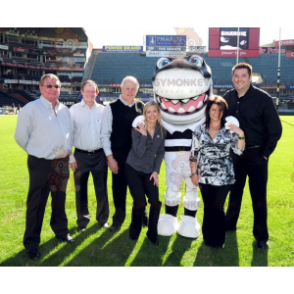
column 142, row 169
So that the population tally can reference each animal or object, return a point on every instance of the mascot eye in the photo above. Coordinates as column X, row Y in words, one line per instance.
column 162, row 62
column 196, row 61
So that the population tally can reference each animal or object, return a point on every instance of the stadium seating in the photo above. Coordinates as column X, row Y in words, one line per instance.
column 111, row 68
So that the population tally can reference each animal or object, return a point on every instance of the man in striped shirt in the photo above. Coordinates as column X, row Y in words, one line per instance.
column 44, row 131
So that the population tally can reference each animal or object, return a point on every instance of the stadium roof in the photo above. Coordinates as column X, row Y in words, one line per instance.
column 49, row 32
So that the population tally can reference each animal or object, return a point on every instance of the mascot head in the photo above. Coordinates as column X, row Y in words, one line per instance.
column 181, row 88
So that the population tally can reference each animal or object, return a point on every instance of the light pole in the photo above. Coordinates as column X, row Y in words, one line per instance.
column 279, row 70
column 238, row 39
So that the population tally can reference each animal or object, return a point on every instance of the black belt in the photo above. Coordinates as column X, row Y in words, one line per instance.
column 88, row 152
column 252, row 147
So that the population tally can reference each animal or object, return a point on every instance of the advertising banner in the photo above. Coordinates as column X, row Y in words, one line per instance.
column 233, row 53
column 165, row 48
column 168, row 54
column 11, row 81
column 20, row 49
column 271, row 50
column 290, row 54
column 223, row 42
column 197, row 49
column 122, row 48
column 4, row 47
column 285, row 43
column 166, row 40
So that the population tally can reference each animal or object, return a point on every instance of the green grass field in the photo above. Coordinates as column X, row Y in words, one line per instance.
column 99, row 247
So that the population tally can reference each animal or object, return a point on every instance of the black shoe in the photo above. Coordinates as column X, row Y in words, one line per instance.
column 261, row 245
column 215, row 246
column 34, row 254
column 68, row 239
column 134, row 238
column 156, row 242
column 114, row 228
column 82, row 230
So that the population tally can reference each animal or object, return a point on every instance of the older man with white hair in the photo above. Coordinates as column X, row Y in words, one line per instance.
column 117, row 142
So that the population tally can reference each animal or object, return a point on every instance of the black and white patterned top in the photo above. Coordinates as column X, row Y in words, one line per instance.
column 214, row 164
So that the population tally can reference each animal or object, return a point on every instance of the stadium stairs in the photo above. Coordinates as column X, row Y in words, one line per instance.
column 90, row 66
column 23, row 93
column 7, row 100
column 16, row 95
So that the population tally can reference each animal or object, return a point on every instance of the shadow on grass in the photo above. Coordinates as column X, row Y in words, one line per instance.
column 260, row 257
column 22, row 259
column 151, row 255
column 179, row 248
column 227, row 256
column 102, row 253
column 59, row 256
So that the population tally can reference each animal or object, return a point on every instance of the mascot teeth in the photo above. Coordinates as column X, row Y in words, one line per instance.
column 182, row 106
column 200, row 105
column 191, row 109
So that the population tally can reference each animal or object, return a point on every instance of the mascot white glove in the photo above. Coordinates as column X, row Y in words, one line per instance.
column 138, row 119
column 231, row 120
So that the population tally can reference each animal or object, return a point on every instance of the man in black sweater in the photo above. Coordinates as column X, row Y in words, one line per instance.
column 262, row 127
column 117, row 141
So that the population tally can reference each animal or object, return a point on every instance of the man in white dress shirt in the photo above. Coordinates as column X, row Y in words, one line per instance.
column 89, row 156
column 44, row 131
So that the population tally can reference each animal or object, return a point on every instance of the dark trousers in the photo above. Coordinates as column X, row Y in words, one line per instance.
column 119, row 187
column 140, row 185
column 213, row 227
column 253, row 164
column 46, row 176
column 97, row 165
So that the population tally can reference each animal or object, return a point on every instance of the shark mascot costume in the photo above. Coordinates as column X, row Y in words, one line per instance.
column 181, row 90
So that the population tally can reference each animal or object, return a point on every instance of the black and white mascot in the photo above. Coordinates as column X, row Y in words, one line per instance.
column 181, row 89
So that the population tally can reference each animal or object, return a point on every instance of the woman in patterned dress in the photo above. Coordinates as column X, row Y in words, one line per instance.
column 212, row 166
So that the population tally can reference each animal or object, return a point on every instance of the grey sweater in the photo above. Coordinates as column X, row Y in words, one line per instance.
column 146, row 154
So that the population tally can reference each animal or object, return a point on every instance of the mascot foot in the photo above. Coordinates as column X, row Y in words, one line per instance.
column 167, row 225
column 189, row 227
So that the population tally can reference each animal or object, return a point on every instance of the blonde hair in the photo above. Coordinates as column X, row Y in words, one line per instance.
column 48, row 76
column 148, row 104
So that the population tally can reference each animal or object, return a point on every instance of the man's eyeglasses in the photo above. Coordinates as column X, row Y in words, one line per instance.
column 50, row 86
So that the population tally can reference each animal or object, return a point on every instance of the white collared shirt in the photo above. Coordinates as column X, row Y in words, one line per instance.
column 86, row 125
column 41, row 132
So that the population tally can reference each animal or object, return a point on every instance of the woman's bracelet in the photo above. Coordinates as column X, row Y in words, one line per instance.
column 241, row 138
column 193, row 174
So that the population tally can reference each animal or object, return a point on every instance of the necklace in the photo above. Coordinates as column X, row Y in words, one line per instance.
column 213, row 131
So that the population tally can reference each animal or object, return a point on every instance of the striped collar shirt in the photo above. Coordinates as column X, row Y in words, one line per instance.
column 86, row 125
column 43, row 132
